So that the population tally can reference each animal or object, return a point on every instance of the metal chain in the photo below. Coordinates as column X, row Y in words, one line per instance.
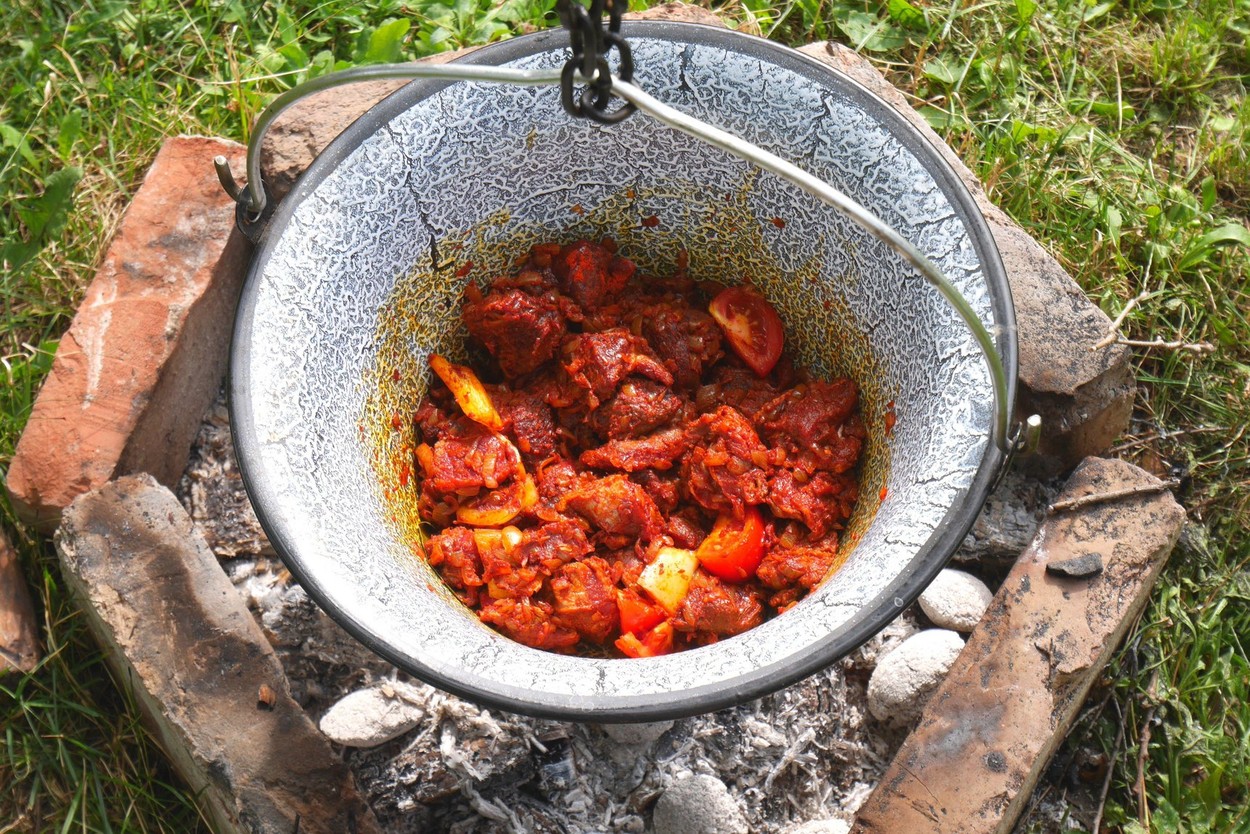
column 591, row 45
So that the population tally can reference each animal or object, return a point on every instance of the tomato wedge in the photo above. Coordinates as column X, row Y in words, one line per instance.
column 637, row 615
column 735, row 547
column 657, row 641
column 751, row 326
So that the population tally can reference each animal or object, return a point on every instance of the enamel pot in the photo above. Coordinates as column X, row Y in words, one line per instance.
column 358, row 277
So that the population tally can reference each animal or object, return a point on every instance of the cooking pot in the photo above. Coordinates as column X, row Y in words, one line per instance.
column 358, row 275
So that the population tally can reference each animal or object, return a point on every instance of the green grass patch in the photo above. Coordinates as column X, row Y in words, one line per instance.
column 1117, row 132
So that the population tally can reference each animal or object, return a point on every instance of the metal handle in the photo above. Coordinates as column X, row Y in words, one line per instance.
column 253, row 202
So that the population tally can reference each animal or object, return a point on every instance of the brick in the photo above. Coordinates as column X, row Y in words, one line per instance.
column 988, row 732
column 1084, row 397
column 19, row 638
column 147, row 349
column 177, row 632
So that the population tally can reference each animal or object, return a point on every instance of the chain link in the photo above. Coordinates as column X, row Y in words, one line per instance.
column 591, row 45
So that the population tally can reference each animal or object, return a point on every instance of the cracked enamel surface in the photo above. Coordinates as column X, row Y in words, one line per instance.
column 361, row 284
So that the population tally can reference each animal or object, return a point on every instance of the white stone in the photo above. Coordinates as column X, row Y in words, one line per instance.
column 956, row 600
column 369, row 717
column 637, row 734
column 698, row 805
column 906, row 677
column 821, row 827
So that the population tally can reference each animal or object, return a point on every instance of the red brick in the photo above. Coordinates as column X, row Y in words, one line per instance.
column 147, row 350
column 19, row 639
column 992, row 726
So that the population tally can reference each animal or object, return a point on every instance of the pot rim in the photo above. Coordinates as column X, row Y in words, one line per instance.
column 929, row 559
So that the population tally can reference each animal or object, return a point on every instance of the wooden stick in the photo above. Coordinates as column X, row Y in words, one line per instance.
column 1194, row 347
column 1113, row 495
column 1113, row 332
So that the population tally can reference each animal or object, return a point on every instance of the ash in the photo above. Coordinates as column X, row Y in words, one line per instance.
column 809, row 752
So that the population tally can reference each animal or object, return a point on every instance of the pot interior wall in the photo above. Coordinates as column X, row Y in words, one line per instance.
column 363, row 278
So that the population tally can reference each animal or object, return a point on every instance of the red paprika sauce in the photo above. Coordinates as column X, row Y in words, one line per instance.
column 625, row 472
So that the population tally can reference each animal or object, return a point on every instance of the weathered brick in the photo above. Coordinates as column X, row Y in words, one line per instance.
column 992, row 726
column 19, row 638
column 147, row 350
column 177, row 632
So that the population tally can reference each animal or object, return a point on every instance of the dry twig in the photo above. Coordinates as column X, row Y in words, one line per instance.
column 1106, row 782
column 1114, row 495
column 1143, row 810
column 1200, row 348
column 1113, row 332
column 1163, row 435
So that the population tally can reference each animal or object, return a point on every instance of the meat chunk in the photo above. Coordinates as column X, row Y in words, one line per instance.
column 505, row 573
column 590, row 273
column 552, row 546
column 585, row 598
column 686, row 530
column 598, row 362
column 520, row 330
column 728, row 468
column 528, row 421
column 434, row 422
column 686, row 339
column 658, row 451
column 738, row 386
column 453, row 554
column 554, row 477
column 664, row 488
column 530, row 622
column 808, row 415
column 475, row 459
column 714, row 609
column 640, row 406
column 615, row 504
column 820, row 500
column 801, row 565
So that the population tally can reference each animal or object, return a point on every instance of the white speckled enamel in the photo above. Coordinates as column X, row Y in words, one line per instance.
column 308, row 332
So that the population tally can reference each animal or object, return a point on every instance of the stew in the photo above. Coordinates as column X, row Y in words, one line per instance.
column 644, row 469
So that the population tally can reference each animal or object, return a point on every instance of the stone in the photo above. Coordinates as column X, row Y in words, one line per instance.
column 1007, row 522
column 955, row 600
column 177, row 633
column 678, row 13
column 990, row 730
column 459, row 746
column 1084, row 396
column 821, row 827
column 697, row 805
column 147, row 349
column 906, row 677
column 369, row 717
column 19, row 637
column 637, row 735
column 1078, row 567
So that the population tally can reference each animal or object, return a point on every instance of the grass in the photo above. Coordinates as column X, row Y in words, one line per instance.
column 1117, row 133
